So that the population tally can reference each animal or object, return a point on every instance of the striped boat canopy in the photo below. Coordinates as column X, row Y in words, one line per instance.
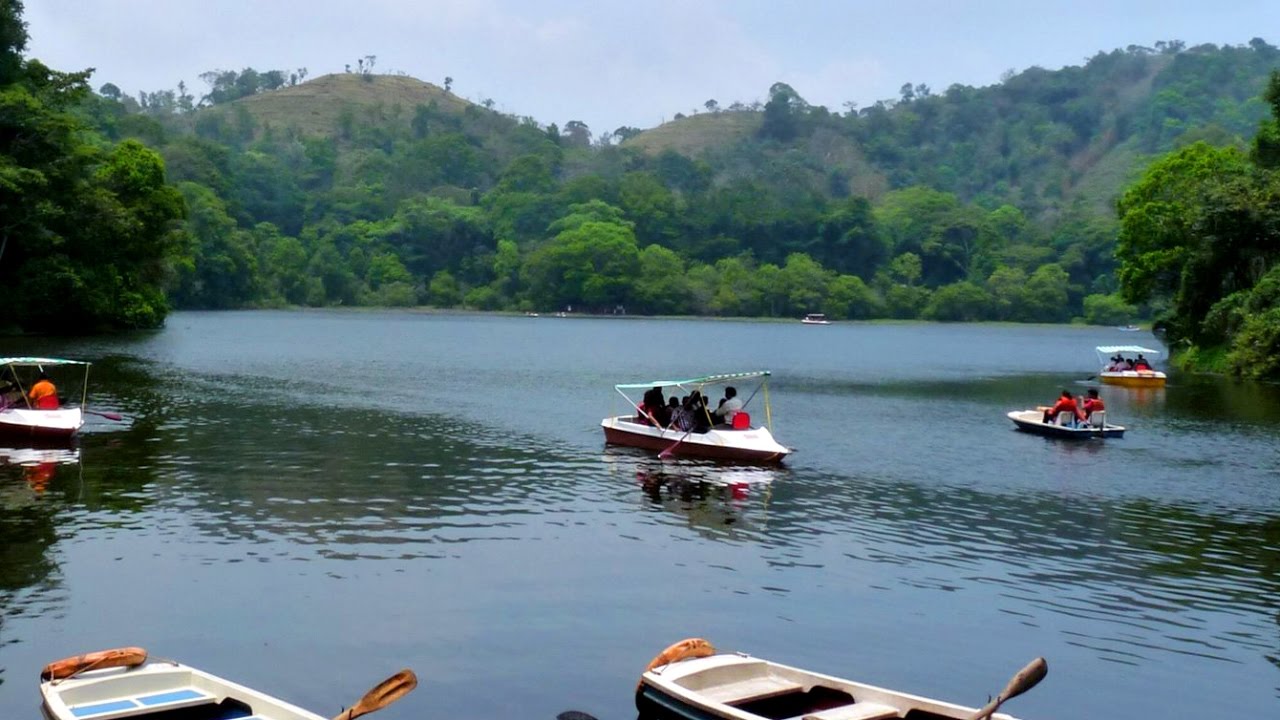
column 1126, row 348
column 33, row 361
column 707, row 380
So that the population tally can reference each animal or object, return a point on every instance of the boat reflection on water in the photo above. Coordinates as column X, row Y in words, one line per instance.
column 37, row 465
column 710, row 494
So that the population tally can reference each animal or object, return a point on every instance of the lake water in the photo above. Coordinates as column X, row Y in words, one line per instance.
column 308, row 501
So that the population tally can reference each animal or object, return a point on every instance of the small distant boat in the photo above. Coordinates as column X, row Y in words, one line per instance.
column 125, row 683
column 740, row 442
column 1032, row 421
column 691, row 681
column 1128, row 328
column 815, row 319
column 1137, row 378
column 53, row 421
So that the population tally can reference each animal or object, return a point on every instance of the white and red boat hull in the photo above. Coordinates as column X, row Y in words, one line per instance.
column 755, row 445
column 60, row 424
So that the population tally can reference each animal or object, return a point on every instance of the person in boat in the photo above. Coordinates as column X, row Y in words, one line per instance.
column 43, row 395
column 673, row 410
column 10, row 393
column 1066, row 403
column 729, row 406
column 652, row 406
column 700, row 416
column 1092, row 404
column 681, row 418
column 1117, row 364
column 1141, row 363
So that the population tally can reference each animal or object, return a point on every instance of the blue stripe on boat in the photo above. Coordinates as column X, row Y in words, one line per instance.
column 170, row 697
column 100, row 708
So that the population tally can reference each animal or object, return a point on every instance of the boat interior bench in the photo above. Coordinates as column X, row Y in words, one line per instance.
column 856, row 711
column 183, row 704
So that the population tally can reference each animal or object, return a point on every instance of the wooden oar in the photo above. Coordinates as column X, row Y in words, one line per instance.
column 1026, row 679
column 667, row 453
column 385, row 693
column 107, row 415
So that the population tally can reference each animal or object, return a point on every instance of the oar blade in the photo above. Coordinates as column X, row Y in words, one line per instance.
column 382, row 695
column 1025, row 679
column 575, row 715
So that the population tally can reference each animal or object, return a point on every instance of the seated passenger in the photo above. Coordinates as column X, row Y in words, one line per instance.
column 652, row 406
column 1141, row 363
column 1117, row 364
column 1093, row 404
column 1066, row 403
column 730, row 404
column 698, row 411
column 43, row 394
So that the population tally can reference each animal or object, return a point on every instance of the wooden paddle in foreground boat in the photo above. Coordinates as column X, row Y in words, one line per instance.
column 385, row 693
column 1026, row 679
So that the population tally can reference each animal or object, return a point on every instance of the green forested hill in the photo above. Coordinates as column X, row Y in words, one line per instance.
column 964, row 203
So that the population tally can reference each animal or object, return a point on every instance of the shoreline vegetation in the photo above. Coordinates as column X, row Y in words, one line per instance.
column 363, row 189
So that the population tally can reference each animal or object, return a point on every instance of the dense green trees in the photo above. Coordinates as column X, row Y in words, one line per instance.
column 87, row 230
column 969, row 204
column 1200, row 235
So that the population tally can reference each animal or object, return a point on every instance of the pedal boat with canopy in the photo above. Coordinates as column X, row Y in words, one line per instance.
column 1128, row 378
column 740, row 442
column 19, row 419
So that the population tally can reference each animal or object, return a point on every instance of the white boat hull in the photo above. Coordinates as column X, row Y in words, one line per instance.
column 740, row 687
column 62, row 423
column 1032, row 421
column 749, row 445
column 159, row 687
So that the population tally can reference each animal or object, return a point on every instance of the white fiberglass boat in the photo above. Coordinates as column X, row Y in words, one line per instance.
column 124, row 683
column 691, row 681
column 739, row 440
column 815, row 319
column 45, row 419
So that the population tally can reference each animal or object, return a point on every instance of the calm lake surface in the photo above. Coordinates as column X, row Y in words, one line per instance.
column 308, row 501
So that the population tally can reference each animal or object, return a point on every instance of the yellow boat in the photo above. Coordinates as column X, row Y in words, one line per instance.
column 1112, row 374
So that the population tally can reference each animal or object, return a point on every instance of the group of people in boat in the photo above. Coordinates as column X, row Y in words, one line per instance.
column 43, row 394
column 1121, row 364
column 1079, row 414
column 692, row 413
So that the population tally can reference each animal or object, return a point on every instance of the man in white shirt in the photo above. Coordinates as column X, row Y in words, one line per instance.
column 729, row 406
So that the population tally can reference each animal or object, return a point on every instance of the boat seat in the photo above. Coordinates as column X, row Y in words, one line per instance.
column 1065, row 418
column 141, row 704
column 750, row 689
column 1098, row 419
column 856, row 711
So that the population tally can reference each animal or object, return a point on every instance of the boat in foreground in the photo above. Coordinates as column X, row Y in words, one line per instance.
column 739, row 442
column 1032, row 421
column 20, row 419
column 1145, row 378
column 691, row 681
column 125, row 683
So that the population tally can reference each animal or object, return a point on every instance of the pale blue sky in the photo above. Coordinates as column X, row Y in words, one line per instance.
column 635, row 63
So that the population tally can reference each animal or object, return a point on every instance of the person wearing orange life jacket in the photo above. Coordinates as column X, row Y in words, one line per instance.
column 1093, row 404
column 1066, row 403
column 43, row 395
